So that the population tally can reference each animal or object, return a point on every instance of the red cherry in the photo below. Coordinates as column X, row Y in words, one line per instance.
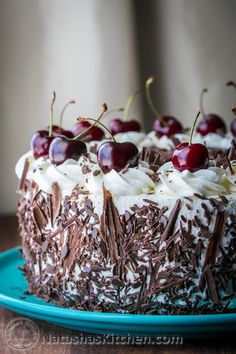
column 95, row 133
column 167, row 125
column 66, row 133
column 63, row 132
column 63, row 148
column 57, row 131
column 233, row 124
column 40, row 143
column 211, row 123
column 55, row 128
column 116, row 156
column 119, row 126
column 233, row 127
column 192, row 157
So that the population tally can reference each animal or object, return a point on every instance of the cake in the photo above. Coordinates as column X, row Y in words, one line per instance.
column 130, row 222
column 133, row 241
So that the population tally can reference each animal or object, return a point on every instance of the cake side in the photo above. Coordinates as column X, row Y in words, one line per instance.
column 139, row 254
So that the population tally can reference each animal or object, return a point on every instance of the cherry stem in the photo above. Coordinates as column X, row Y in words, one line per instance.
column 233, row 109
column 148, row 84
column 63, row 111
column 104, row 109
column 51, row 114
column 201, row 100
column 121, row 109
column 102, row 125
column 231, row 83
column 129, row 103
column 193, row 127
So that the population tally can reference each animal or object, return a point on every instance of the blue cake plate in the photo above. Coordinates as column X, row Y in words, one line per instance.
column 13, row 284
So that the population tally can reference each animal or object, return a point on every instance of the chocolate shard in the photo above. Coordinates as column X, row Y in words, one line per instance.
column 111, row 228
column 39, row 217
column 56, row 202
column 24, row 173
column 214, row 241
column 45, row 246
column 65, row 251
column 232, row 150
column 85, row 169
column 211, row 285
column 74, row 245
column 171, row 222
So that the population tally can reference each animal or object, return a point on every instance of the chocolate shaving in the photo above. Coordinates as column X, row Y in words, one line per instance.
column 96, row 172
column 85, row 169
column 45, row 246
column 39, row 217
column 56, row 201
column 229, row 166
column 232, row 150
column 211, row 285
column 200, row 196
column 224, row 199
column 171, row 223
column 24, row 173
column 111, row 228
column 214, row 241
column 150, row 201
column 65, row 251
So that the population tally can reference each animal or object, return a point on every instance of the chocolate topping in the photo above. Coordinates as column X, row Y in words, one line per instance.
column 56, row 201
column 146, row 260
column 172, row 219
column 214, row 240
column 24, row 173
column 39, row 217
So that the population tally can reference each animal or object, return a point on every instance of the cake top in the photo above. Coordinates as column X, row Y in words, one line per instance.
column 87, row 175
column 92, row 156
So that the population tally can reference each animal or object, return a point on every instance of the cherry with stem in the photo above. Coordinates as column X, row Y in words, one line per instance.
column 190, row 156
column 118, row 125
column 211, row 122
column 42, row 139
column 91, row 126
column 164, row 125
column 63, row 148
column 87, row 131
column 112, row 155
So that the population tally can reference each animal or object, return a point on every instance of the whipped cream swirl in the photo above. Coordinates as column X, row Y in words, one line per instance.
column 87, row 175
column 133, row 181
column 207, row 182
column 163, row 142
column 44, row 173
column 230, row 177
column 214, row 141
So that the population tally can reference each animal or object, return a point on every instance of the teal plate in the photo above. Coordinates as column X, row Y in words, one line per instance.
column 13, row 284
